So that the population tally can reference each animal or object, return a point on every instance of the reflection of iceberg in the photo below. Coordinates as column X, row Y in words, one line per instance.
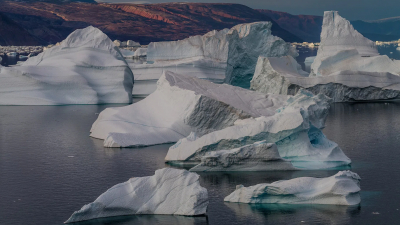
column 346, row 68
column 86, row 68
column 282, row 213
column 147, row 220
column 340, row 189
column 169, row 191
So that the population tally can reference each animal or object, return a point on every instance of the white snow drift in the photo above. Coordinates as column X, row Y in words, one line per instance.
column 348, row 69
column 181, row 105
column 295, row 128
column 86, row 68
column 342, row 188
column 260, row 156
column 228, row 55
column 169, row 191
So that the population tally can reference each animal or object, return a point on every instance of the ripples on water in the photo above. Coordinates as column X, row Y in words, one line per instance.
column 49, row 168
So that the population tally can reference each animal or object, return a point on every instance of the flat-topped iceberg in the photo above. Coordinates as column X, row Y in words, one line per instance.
column 229, row 56
column 181, row 105
column 349, row 72
column 342, row 188
column 86, row 68
column 170, row 191
column 294, row 128
column 260, row 156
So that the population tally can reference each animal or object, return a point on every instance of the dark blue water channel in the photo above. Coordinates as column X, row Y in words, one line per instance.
column 50, row 167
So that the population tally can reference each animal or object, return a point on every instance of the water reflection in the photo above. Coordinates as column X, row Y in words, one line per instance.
column 280, row 213
column 147, row 220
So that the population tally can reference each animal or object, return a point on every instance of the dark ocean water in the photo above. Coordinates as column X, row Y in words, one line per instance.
column 50, row 167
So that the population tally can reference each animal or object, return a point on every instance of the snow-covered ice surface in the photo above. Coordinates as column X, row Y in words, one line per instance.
column 86, row 68
column 181, row 105
column 170, row 191
column 294, row 128
column 351, row 71
column 260, row 156
column 342, row 188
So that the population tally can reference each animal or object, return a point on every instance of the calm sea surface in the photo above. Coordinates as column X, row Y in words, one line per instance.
column 50, row 167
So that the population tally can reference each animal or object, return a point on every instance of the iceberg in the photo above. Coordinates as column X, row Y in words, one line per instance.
column 337, row 35
column 294, row 128
column 86, row 68
column 228, row 55
column 170, row 192
column 260, row 156
column 342, row 188
column 181, row 105
column 346, row 73
column 246, row 43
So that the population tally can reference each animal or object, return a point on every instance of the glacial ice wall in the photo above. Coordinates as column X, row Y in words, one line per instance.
column 342, row 188
column 86, row 68
column 169, row 191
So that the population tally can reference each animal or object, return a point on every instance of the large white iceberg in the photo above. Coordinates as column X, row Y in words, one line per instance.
column 86, row 68
column 351, row 71
column 228, row 55
column 260, row 156
column 342, row 188
column 170, row 191
column 181, row 105
column 295, row 128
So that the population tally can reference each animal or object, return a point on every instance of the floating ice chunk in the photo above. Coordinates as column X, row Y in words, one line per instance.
column 260, row 156
column 169, row 191
column 295, row 128
column 181, row 105
column 342, row 188
column 131, row 43
column 86, row 68
column 127, row 53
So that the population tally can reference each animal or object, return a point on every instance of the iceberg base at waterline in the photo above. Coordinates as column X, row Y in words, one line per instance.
column 342, row 188
column 169, row 192
column 260, row 156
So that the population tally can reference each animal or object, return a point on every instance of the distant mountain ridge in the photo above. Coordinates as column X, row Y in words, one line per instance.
column 52, row 22
column 31, row 22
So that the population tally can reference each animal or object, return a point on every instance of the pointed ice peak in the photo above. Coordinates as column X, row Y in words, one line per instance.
column 338, row 34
